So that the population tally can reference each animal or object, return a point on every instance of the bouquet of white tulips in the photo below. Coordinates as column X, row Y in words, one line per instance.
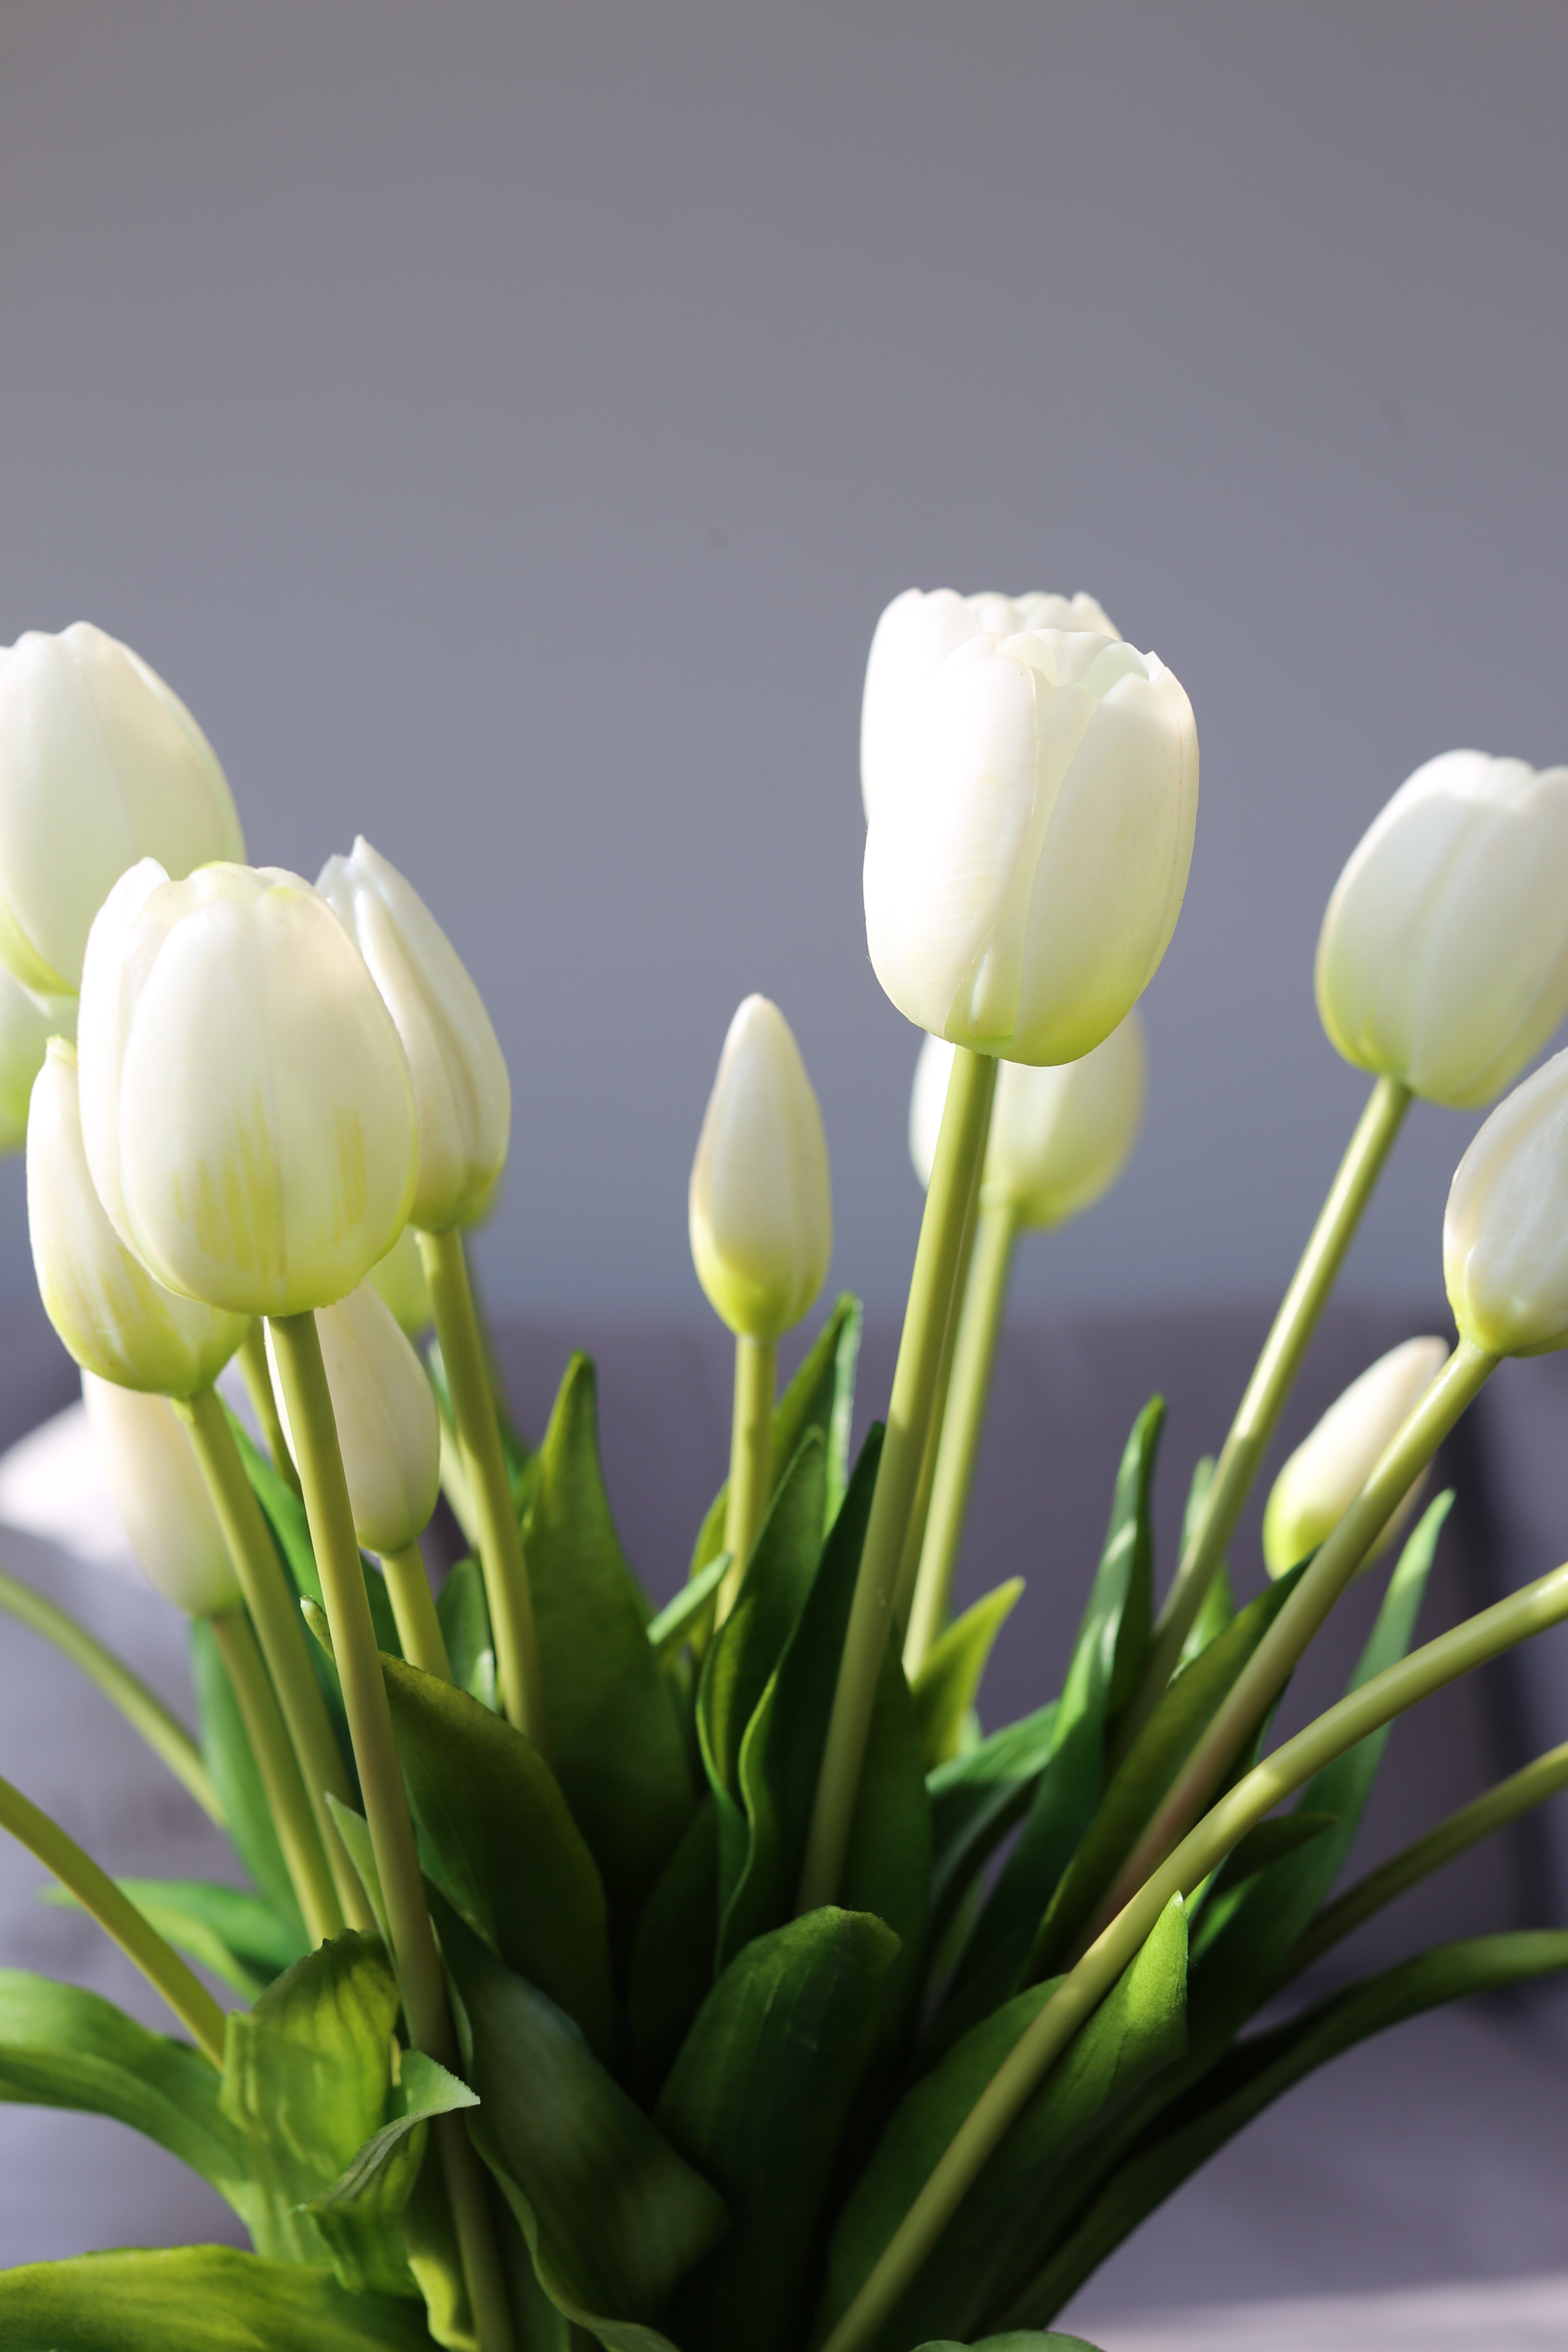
column 717, row 1978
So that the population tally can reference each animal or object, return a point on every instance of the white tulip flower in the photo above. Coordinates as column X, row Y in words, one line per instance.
column 100, row 764
column 28, row 1022
column 761, row 1198
column 459, row 1073
column 388, row 1427
column 1022, row 883
column 402, row 1281
column 1443, row 960
column 245, row 1104
column 156, row 1485
column 1505, row 1232
column 1329, row 1469
column 114, row 1319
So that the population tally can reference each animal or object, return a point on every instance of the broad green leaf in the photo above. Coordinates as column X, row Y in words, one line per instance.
column 975, row 1799
column 685, row 1619
column 1217, row 1606
column 226, row 1751
column 378, row 2184
column 747, row 1647
column 239, row 1937
column 196, row 2299
column 821, row 1396
column 422, row 2089
column 1264, row 1845
column 948, row 1684
column 613, row 1735
column 1138, row 2029
column 465, row 1618
column 758, row 2099
column 672, row 1959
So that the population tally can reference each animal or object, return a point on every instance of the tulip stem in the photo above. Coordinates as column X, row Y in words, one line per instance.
column 1273, row 1376
column 269, row 1599
column 750, row 1461
column 413, row 1610
column 960, row 1144
column 258, row 1375
column 275, row 1760
column 358, row 1660
column 484, row 1463
column 1271, row 1664
column 164, row 1970
column 979, row 1321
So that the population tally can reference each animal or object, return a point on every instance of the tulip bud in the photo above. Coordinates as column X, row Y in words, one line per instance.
column 245, row 1104
column 459, row 1073
column 1505, row 1232
column 1060, row 1136
column 100, row 764
column 1329, row 1469
column 389, row 1431
column 156, row 1485
column 401, row 1279
column 1443, row 960
column 908, row 645
column 761, row 1199
column 1023, row 882
column 114, row 1319
column 27, row 1024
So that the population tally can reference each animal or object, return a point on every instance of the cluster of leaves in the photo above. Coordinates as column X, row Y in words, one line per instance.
column 705, row 2116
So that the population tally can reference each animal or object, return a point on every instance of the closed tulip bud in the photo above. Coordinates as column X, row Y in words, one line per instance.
column 27, row 1024
column 401, row 1279
column 114, row 1319
column 761, row 1199
column 1443, row 960
column 100, row 764
column 1505, row 1232
column 1023, row 882
column 1060, row 1136
column 389, row 1429
column 1329, row 1469
column 459, row 1073
column 245, row 1104
column 156, row 1486
column 908, row 645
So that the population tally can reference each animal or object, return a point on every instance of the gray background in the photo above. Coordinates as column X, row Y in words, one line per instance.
column 503, row 425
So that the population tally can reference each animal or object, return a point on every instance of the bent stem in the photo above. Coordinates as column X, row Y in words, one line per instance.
column 303, row 1852
column 489, row 1488
column 958, row 1150
column 979, row 1321
column 1273, row 1377
column 751, row 1459
column 414, row 1612
column 1430, row 1669
column 420, row 1981
column 164, row 1970
column 258, row 1376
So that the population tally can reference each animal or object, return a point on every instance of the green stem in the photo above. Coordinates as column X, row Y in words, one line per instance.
column 414, row 1612
column 959, row 1148
column 1430, row 1669
column 1269, row 1667
column 291, row 1817
column 164, row 1970
column 974, row 1355
column 479, row 1436
column 1273, row 1377
column 258, row 1375
column 751, row 1459
column 358, row 1660
column 269, row 1599
column 165, row 1734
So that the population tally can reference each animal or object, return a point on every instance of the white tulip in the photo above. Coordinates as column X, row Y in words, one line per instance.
column 459, row 1073
column 1329, row 1469
column 1505, row 1232
column 1443, row 960
column 156, row 1485
column 114, row 1319
column 27, row 1024
column 761, row 1198
column 246, row 1104
column 1023, row 884
column 388, row 1427
column 100, row 764
column 402, row 1281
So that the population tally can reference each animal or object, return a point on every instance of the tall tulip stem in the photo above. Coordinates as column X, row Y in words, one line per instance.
column 419, row 1976
column 304, row 1853
column 414, row 1612
column 1273, row 1376
column 959, row 1147
column 484, row 1463
column 751, row 1459
column 258, row 1376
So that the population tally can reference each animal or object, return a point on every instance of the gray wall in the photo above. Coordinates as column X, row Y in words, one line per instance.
column 504, row 425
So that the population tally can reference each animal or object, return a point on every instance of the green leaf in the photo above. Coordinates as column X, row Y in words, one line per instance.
column 948, row 1684
column 376, row 2187
column 1264, row 1845
column 685, row 1619
column 285, row 1515
column 422, row 2089
column 1139, row 2028
column 227, row 1752
column 502, row 1845
column 239, row 1937
column 354, row 1832
column 465, row 1618
column 975, row 1799
column 196, row 2299
column 614, row 1733
column 747, row 1647
column 672, row 1959
column 758, row 2099
column 1217, row 1606
column 821, row 1396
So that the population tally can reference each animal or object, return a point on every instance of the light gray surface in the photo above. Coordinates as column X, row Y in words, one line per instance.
column 504, row 425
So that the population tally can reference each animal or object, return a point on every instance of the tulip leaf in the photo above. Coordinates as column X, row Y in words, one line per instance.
column 196, row 2299
column 614, row 1734
column 1217, row 1606
column 758, row 2100
column 239, row 1937
column 500, row 1842
column 975, row 1799
column 465, row 1618
column 821, row 1396
column 227, row 1752
column 354, row 1832
column 376, row 2187
column 672, row 1959
column 948, row 1684
column 685, row 1618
